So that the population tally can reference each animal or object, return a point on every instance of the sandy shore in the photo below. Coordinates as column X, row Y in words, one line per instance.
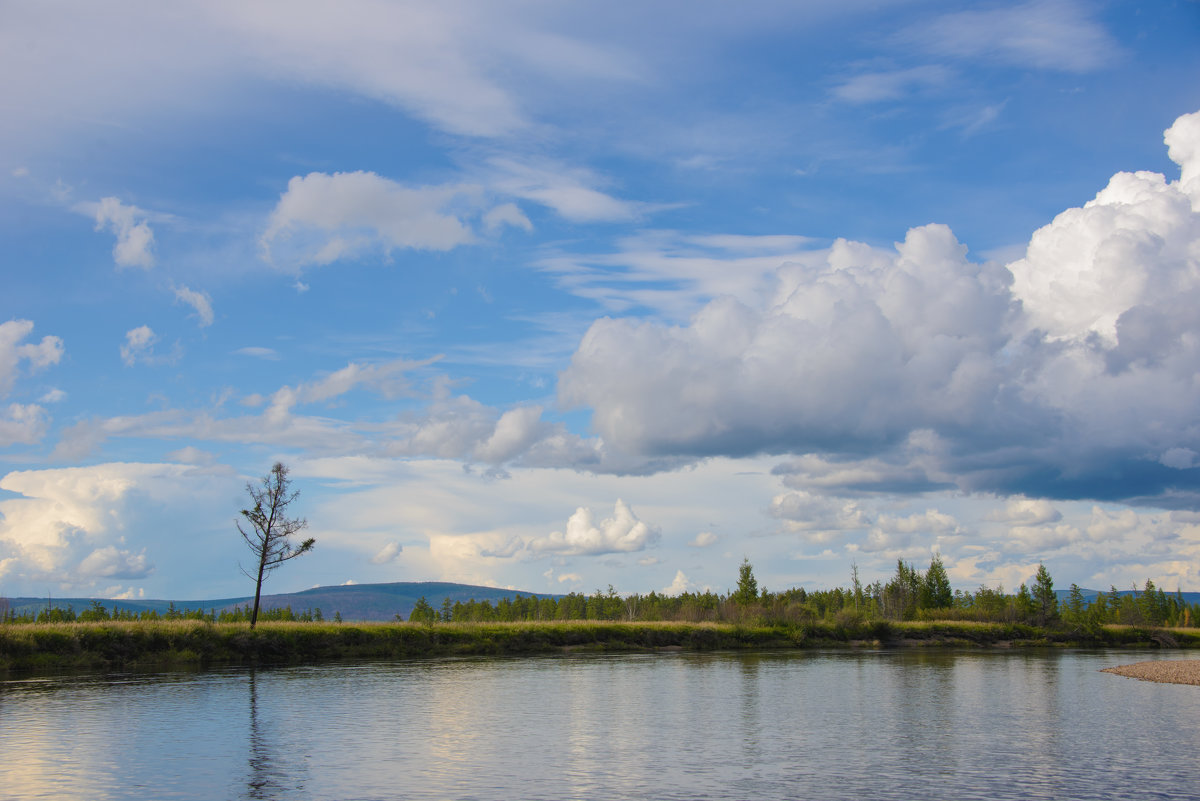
column 1171, row 671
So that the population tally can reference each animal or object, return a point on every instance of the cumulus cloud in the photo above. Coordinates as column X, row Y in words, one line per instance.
column 43, row 354
column 1028, row 512
column 111, row 562
column 67, row 520
column 905, row 534
column 816, row 515
column 139, row 345
column 199, row 301
column 323, row 218
column 679, row 585
column 387, row 553
column 859, row 350
column 1069, row 373
column 135, row 240
column 703, row 540
column 515, row 431
column 585, row 536
column 22, row 423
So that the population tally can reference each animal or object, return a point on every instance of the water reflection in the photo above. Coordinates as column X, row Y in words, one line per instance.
column 263, row 781
column 679, row 726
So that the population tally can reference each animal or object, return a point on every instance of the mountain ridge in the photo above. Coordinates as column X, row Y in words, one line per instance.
column 352, row 601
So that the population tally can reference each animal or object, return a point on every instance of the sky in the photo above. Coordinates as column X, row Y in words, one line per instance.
column 561, row 296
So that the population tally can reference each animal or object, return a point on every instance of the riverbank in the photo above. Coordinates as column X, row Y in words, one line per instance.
column 1167, row 671
column 187, row 643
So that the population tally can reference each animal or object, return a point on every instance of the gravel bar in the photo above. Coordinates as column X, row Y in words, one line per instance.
column 1169, row 671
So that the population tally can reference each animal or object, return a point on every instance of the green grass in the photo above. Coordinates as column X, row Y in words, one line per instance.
column 189, row 643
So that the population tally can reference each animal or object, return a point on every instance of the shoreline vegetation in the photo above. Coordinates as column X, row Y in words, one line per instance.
column 914, row 609
column 121, row 645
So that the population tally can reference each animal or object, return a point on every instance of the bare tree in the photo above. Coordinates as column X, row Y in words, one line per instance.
column 270, row 529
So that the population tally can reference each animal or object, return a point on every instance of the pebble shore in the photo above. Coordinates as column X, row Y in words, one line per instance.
column 1168, row 671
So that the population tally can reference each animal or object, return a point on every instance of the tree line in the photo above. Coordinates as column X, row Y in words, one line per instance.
column 97, row 612
column 910, row 594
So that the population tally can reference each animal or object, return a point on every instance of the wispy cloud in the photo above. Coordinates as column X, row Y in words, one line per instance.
column 1049, row 34
column 199, row 301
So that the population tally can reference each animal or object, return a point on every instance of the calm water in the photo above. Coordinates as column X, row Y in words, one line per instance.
column 676, row 726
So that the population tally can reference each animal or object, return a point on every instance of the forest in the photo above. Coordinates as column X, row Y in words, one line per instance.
column 909, row 595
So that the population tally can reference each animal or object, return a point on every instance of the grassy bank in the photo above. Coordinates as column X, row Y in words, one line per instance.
column 116, row 645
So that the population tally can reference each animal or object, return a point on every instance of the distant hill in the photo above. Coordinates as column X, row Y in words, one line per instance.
column 366, row 601
column 1090, row 595
column 353, row 601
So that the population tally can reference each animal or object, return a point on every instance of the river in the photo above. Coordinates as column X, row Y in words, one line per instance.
column 905, row 724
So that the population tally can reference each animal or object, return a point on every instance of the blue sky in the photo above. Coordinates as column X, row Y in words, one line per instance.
column 554, row 296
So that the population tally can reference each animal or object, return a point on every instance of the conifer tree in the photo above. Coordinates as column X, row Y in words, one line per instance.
column 270, row 529
column 935, row 591
column 747, row 587
column 1045, row 601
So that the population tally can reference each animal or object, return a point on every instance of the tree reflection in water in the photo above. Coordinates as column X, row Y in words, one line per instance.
column 266, row 776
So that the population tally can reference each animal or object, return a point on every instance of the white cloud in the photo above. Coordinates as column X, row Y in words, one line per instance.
column 387, row 379
column 571, row 192
column 675, row 274
column 910, row 534
column 387, row 553
column 1183, row 148
column 200, row 301
column 139, row 345
column 570, row 577
column 506, row 214
column 1067, row 374
column 110, row 562
column 54, row 396
column 621, row 533
column 515, row 431
column 192, row 455
column 323, row 218
column 49, row 351
column 1130, row 248
column 1180, row 458
column 421, row 58
column 704, row 539
column 269, row 354
column 1048, row 34
column 67, row 522
column 135, row 240
column 853, row 350
column 680, row 585
column 806, row 511
column 874, row 87
column 22, row 423
column 1028, row 512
